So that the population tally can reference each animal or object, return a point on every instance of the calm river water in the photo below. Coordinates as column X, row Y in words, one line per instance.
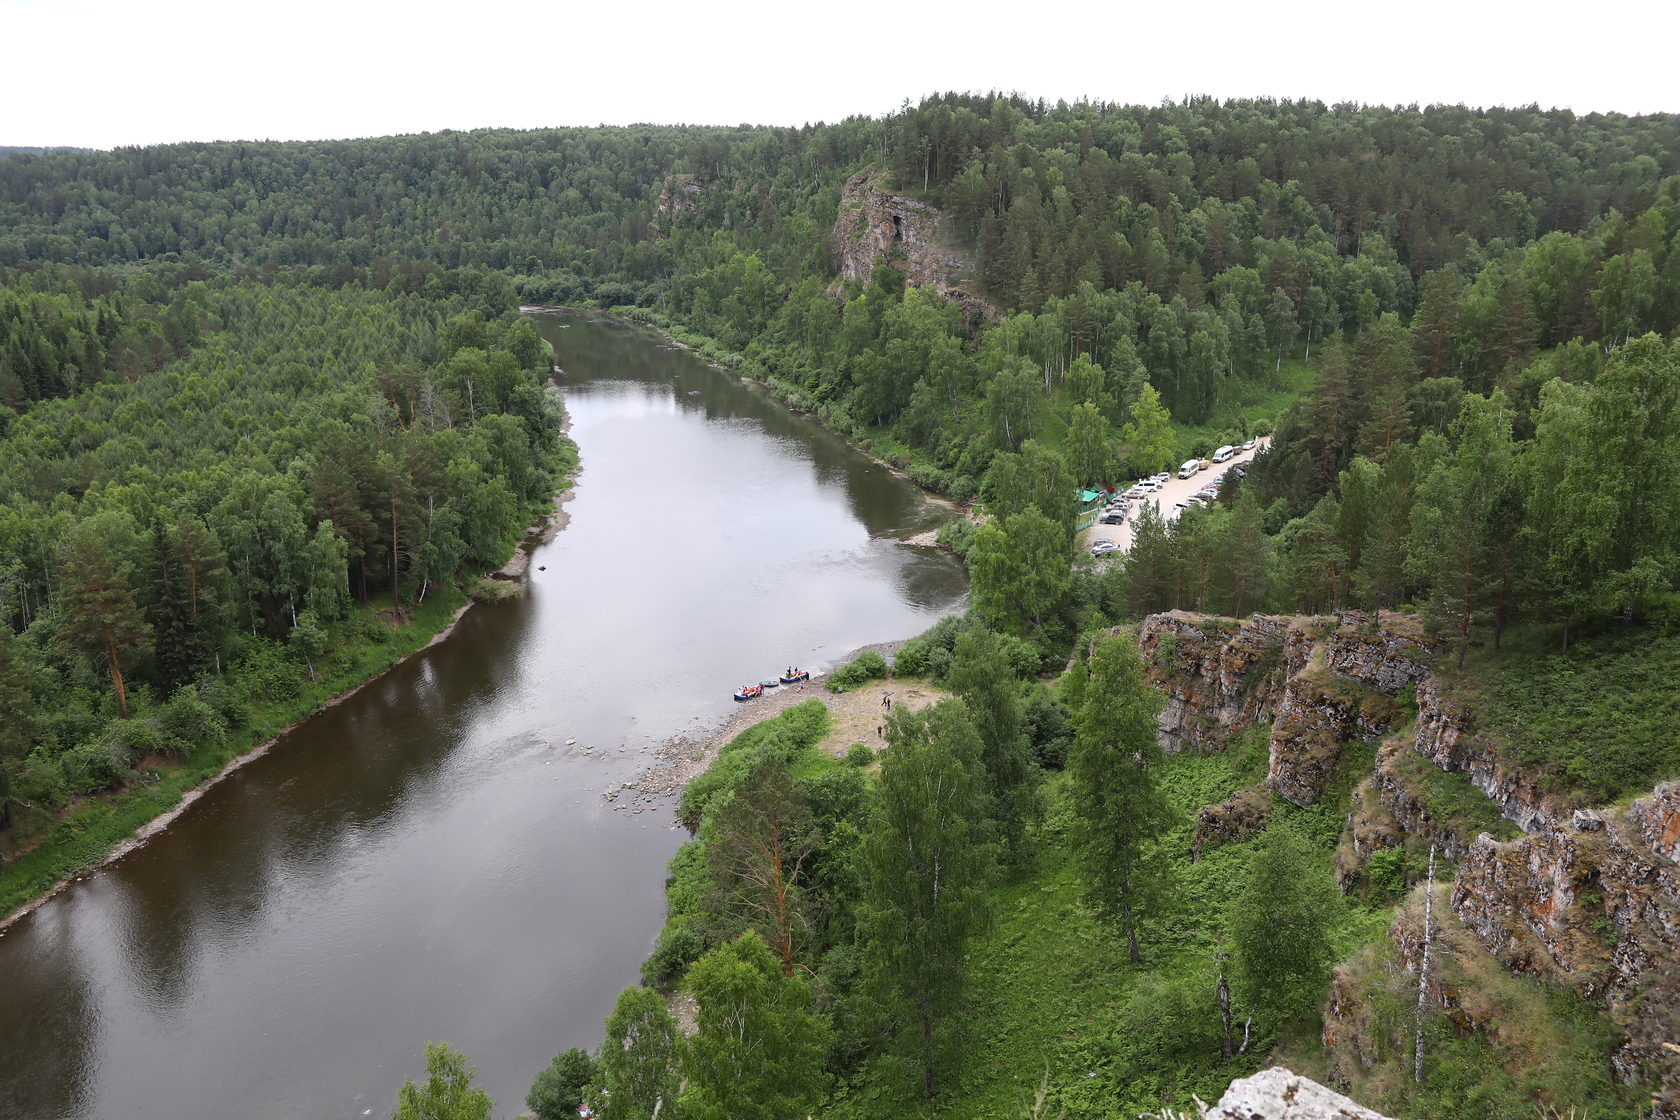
column 429, row 861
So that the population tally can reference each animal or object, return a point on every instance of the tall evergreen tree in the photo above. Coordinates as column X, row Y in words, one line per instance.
column 927, row 858
column 1120, row 810
column 981, row 676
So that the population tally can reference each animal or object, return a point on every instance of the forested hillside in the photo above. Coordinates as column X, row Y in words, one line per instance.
column 247, row 385
column 182, row 539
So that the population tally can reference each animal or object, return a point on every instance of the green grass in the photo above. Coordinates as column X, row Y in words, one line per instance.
column 1052, row 991
column 1598, row 722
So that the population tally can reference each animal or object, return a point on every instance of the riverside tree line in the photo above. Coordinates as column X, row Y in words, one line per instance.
column 252, row 391
column 218, row 479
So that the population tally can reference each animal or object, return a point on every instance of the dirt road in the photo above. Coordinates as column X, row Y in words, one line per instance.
column 1175, row 490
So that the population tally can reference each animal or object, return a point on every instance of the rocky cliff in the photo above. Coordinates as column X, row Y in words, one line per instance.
column 876, row 222
column 1585, row 897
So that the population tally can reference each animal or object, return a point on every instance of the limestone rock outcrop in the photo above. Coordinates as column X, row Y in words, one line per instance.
column 1236, row 818
column 874, row 221
column 1589, row 897
column 1279, row 1094
column 1594, row 905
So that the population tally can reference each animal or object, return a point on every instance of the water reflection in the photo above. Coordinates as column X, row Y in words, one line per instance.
column 432, row 859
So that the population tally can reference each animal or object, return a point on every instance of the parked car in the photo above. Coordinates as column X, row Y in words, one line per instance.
column 1103, row 548
column 1113, row 517
column 1249, row 446
column 1162, row 477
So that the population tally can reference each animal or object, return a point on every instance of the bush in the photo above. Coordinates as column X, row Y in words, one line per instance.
column 958, row 536
column 911, row 660
column 1047, row 728
column 187, row 723
column 40, row 781
column 1386, row 872
column 95, row 766
column 859, row 755
column 804, row 725
column 680, row 944
column 686, row 881
column 865, row 667
column 133, row 739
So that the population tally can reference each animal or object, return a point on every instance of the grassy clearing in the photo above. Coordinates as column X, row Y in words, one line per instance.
column 1597, row 722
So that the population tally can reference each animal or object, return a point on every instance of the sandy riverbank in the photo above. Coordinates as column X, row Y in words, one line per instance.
column 855, row 717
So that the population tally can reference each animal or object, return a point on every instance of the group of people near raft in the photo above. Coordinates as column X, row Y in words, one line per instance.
column 790, row 676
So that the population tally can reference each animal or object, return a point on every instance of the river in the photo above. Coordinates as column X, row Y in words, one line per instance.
column 430, row 860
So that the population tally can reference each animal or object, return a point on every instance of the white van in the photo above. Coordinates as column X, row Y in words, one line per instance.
column 1190, row 467
column 1224, row 453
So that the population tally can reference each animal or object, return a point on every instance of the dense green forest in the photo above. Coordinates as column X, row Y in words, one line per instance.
column 254, row 393
column 218, row 483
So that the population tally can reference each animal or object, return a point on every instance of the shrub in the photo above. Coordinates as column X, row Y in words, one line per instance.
column 685, row 881
column 40, row 781
column 958, row 536
column 865, row 667
column 680, row 944
column 1386, row 872
column 1047, row 728
column 187, row 723
column 804, row 725
column 95, row 765
column 911, row 660
column 133, row 739
column 859, row 755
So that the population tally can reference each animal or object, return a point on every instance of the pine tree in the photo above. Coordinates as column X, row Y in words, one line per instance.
column 101, row 618
column 927, row 858
column 1120, row 809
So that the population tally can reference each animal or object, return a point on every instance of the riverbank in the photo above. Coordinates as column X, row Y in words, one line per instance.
column 780, row 390
column 854, row 717
column 100, row 831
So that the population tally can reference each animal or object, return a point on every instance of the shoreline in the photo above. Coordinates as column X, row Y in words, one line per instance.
column 688, row 754
column 541, row 531
column 933, row 496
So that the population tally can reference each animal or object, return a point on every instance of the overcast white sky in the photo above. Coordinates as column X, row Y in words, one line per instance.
column 103, row 73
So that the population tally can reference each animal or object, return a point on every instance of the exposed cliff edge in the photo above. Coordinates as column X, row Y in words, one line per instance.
column 1585, row 897
column 874, row 221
